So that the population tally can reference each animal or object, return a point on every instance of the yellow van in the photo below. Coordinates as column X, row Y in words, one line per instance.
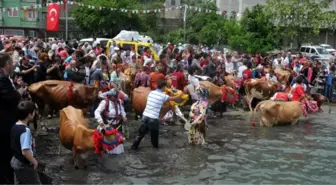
column 127, row 45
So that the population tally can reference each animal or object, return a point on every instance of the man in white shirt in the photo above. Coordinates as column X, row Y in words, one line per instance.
column 150, row 120
column 271, row 77
column 277, row 62
column 229, row 66
column 113, row 45
column 241, row 70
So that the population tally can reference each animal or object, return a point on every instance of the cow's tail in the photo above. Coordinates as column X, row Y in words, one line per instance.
column 328, row 104
column 254, row 113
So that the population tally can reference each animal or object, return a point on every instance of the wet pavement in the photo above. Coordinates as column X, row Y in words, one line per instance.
column 236, row 152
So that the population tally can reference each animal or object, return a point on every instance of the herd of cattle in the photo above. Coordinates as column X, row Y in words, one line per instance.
column 74, row 100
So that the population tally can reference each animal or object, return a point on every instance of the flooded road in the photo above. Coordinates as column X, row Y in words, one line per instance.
column 235, row 153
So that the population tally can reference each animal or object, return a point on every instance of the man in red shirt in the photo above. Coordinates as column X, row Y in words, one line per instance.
column 258, row 59
column 154, row 77
column 298, row 91
column 178, row 80
column 205, row 61
column 247, row 73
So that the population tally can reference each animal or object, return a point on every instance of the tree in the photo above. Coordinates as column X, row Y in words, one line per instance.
column 206, row 27
column 255, row 32
column 176, row 36
column 298, row 19
column 106, row 22
column 328, row 21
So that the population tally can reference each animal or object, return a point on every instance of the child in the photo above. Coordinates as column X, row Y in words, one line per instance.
column 23, row 162
column 328, row 92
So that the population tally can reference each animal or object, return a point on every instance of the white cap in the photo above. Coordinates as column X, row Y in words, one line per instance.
column 116, row 49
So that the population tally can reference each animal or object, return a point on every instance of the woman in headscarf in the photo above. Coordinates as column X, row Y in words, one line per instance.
column 198, row 115
column 110, row 113
column 115, row 75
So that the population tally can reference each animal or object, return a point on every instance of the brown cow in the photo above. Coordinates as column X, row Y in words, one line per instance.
column 278, row 112
column 259, row 89
column 59, row 94
column 216, row 98
column 139, row 101
column 230, row 81
column 283, row 75
column 127, row 80
column 320, row 99
column 75, row 135
column 215, row 92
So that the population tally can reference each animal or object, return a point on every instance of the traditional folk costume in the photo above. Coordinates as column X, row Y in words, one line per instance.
column 198, row 116
column 111, row 112
column 296, row 93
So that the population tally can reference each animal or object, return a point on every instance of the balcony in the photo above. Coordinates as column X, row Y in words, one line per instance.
column 29, row 1
column 37, row 23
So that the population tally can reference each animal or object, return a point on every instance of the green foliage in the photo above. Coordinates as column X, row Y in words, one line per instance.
column 176, row 36
column 206, row 27
column 106, row 22
column 298, row 19
column 328, row 21
column 257, row 32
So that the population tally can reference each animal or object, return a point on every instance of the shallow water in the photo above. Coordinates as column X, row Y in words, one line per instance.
column 236, row 152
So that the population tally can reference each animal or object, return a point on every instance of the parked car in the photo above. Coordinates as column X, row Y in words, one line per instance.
column 328, row 48
column 316, row 52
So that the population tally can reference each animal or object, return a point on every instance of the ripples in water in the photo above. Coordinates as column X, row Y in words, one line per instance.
column 236, row 153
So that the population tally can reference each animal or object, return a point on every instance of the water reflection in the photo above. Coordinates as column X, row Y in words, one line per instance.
column 236, row 153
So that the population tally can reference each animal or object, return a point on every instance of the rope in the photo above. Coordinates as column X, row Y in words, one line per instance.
column 70, row 93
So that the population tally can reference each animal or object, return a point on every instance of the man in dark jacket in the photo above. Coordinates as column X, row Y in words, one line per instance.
column 74, row 74
column 210, row 69
column 9, row 99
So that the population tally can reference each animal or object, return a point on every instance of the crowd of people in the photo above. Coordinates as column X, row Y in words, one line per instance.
column 29, row 61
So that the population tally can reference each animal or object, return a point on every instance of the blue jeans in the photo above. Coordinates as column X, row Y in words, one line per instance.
column 328, row 91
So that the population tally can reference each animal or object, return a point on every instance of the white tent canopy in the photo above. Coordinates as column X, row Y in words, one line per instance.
column 132, row 35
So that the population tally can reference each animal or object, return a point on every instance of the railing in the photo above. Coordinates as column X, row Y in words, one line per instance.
column 38, row 23
column 29, row 1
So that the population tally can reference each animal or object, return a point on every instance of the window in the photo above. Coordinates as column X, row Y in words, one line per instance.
column 127, row 46
column 140, row 49
column 31, row 33
column 307, row 50
column 173, row 3
column 312, row 50
column 12, row 12
column 303, row 49
column 322, row 51
column 30, row 15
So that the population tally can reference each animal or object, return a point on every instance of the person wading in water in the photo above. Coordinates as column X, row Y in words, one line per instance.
column 150, row 120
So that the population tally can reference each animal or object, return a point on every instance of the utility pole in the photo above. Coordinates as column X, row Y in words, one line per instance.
column 185, row 21
column 66, row 20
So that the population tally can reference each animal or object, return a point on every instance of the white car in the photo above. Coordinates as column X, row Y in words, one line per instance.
column 328, row 48
column 316, row 52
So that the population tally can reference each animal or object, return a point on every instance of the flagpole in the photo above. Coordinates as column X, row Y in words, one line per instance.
column 185, row 22
column 66, row 20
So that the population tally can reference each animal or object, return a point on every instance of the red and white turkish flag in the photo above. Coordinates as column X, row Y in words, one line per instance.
column 53, row 17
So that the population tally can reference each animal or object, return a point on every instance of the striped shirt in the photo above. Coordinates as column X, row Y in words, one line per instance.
column 155, row 100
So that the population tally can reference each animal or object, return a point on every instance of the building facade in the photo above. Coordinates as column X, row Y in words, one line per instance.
column 22, row 17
